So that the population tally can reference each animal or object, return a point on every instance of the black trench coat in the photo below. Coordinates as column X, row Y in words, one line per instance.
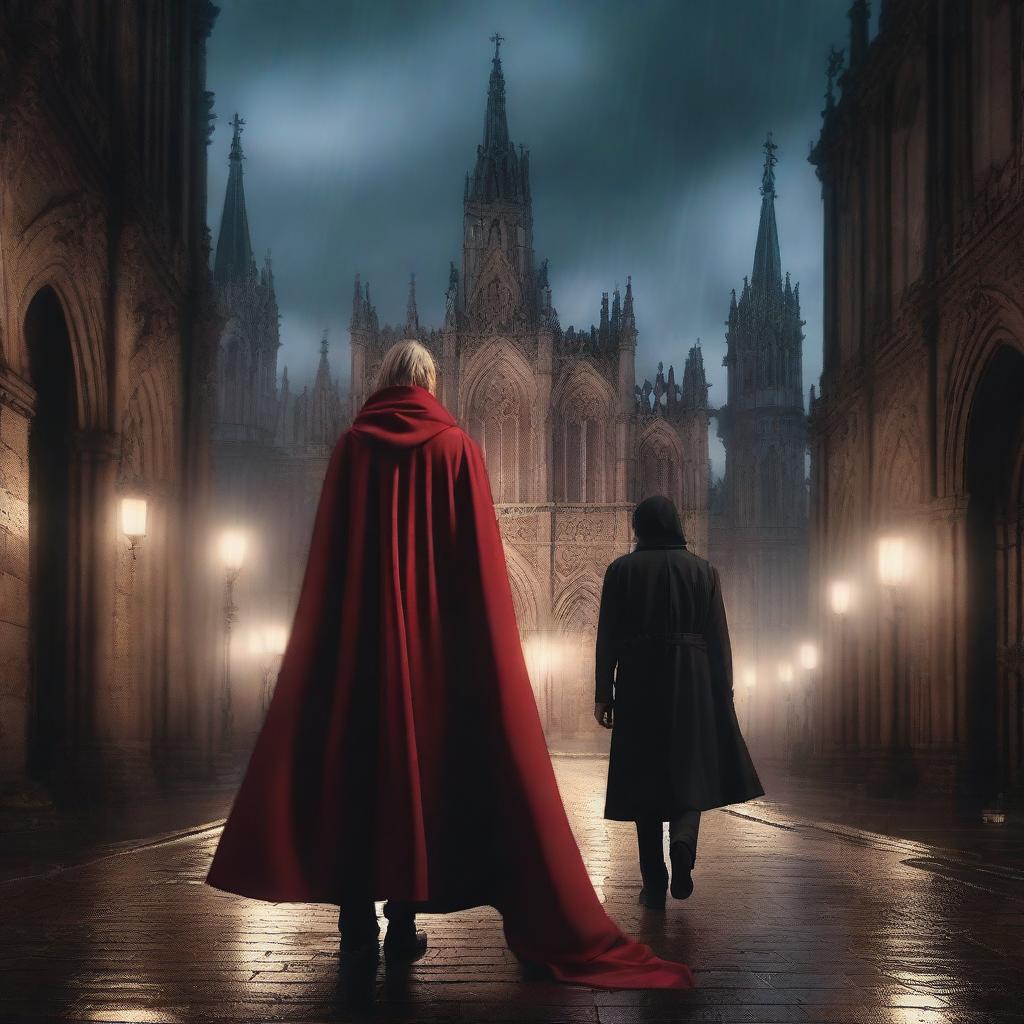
column 663, row 654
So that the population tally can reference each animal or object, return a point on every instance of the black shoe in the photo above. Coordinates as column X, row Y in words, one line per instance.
column 682, row 865
column 652, row 899
column 357, row 967
column 404, row 945
column 359, row 946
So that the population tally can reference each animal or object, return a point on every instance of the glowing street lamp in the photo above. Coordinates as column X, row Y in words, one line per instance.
column 273, row 642
column 257, row 646
column 276, row 639
column 893, row 573
column 840, row 596
column 808, row 654
column 133, row 521
column 893, row 561
column 232, row 546
column 840, row 599
column 749, row 677
column 784, row 670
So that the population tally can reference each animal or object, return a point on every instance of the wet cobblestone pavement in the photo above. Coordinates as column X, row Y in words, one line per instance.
column 792, row 919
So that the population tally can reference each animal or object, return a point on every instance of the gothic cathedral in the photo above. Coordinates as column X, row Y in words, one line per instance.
column 571, row 441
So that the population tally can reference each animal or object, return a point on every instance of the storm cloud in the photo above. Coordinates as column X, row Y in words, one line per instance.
column 644, row 121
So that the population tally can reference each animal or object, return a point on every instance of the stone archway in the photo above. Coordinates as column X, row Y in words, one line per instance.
column 993, row 465
column 50, row 460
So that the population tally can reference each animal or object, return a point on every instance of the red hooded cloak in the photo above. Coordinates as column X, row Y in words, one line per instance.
column 402, row 755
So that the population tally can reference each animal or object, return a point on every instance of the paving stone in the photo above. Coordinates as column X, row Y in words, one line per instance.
column 792, row 920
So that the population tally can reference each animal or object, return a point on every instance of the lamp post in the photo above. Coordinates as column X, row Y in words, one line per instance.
column 807, row 654
column 893, row 574
column 840, row 599
column 750, row 682
column 784, row 670
column 133, row 521
column 274, row 640
column 232, row 548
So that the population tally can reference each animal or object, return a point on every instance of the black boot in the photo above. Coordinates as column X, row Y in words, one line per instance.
column 652, row 865
column 404, row 942
column 360, row 932
column 682, row 864
column 652, row 897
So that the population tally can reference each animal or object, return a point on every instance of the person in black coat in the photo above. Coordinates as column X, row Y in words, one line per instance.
column 664, row 687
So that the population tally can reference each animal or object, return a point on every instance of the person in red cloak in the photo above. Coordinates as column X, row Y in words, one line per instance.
column 402, row 756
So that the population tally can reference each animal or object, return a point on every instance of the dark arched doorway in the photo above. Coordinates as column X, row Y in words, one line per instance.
column 49, row 456
column 995, row 452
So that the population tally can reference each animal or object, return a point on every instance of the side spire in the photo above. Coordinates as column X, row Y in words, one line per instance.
column 695, row 381
column 234, row 259
column 357, row 305
column 860, row 16
column 767, row 273
column 628, row 318
column 412, row 316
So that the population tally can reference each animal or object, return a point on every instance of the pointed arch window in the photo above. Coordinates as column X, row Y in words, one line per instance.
column 499, row 421
column 659, row 470
column 579, row 453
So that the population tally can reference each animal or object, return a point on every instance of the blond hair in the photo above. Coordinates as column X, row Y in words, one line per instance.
column 408, row 362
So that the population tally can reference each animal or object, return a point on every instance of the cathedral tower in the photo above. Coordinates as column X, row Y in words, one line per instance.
column 499, row 290
column 247, row 360
column 763, row 427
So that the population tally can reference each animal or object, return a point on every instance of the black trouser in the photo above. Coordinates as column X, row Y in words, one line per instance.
column 357, row 918
column 650, row 835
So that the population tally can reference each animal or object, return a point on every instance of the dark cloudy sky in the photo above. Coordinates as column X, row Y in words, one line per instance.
column 644, row 120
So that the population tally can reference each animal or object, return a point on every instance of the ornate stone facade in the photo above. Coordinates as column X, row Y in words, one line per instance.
column 571, row 441
column 919, row 429
column 105, row 358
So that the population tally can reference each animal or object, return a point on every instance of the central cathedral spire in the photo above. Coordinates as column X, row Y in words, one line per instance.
column 767, row 272
column 500, row 172
column 496, row 120
column 499, row 287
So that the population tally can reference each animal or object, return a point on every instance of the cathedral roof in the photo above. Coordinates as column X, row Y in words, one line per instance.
column 234, row 257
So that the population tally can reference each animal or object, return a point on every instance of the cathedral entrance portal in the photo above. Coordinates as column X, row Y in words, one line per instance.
column 52, row 373
column 995, row 463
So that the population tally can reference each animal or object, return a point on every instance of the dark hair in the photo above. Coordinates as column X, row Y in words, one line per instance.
column 656, row 523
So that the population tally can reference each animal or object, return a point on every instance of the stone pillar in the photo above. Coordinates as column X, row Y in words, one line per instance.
column 451, row 371
column 189, row 530
column 17, row 399
column 542, row 418
column 625, row 415
column 98, row 715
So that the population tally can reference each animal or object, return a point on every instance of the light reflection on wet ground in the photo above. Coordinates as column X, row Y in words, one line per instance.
column 792, row 919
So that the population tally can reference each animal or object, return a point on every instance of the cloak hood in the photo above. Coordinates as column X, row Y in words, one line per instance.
column 656, row 524
column 403, row 416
